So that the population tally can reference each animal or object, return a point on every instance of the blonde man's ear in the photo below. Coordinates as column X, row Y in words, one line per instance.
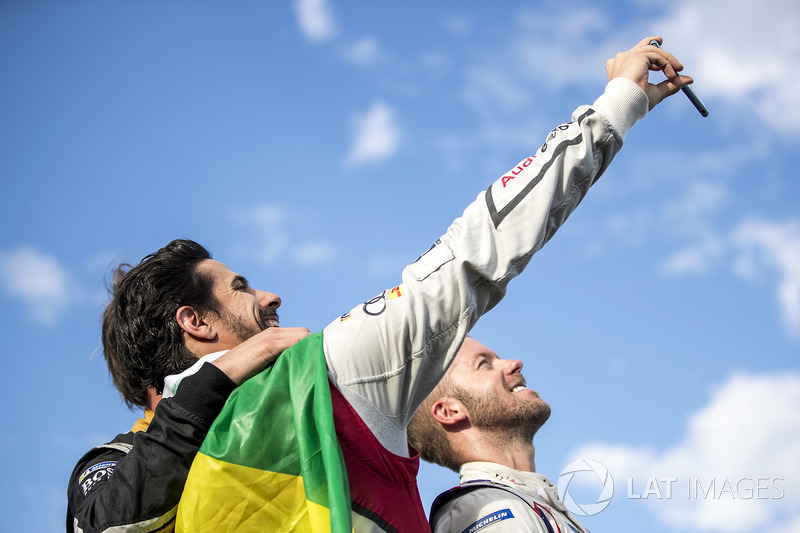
column 449, row 411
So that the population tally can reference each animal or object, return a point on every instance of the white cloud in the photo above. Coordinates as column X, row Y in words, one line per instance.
column 38, row 280
column 521, row 76
column 314, row 253
column 699, row 258
column 265, row 238
column 487, row 86
column 749, row 429
column 560, row 46
column 376, row 136
column 266, row 223
column 744, row 52
column 315, row 19
column 632, row 227
column 743, row 55
column 436, row 61
column 364, row 52
column 690, row 216
column 460, row 25
column 763, row 246
column 700, row 200
column 758, row 249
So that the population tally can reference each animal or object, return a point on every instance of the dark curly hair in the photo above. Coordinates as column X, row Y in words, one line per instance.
column 142, row 341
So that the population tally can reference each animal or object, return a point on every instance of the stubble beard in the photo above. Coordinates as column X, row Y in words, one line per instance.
column 242, row 328
column 516, row 418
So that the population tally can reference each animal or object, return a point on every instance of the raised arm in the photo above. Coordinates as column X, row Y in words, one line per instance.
column 388, row 353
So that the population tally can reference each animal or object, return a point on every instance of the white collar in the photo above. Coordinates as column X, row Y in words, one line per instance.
column 528, row 482
column 172, row 381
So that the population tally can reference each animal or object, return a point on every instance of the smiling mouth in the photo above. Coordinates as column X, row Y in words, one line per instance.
column 520, row 386
column 270, row 320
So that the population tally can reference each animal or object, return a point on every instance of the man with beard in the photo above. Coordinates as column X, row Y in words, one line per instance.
column 379, row 361
column 134, row 481
column 480, row 421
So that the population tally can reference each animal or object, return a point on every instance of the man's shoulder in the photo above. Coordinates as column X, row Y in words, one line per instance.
column 98, row 464
column 475, row 505
column 108, row 452
column 447, row 497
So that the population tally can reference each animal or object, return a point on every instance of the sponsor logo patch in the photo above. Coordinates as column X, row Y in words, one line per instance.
column 395, row 293
column 95, row 473
column 488, row 520
column 375, row 306
column 503, row 196
column 99, row 466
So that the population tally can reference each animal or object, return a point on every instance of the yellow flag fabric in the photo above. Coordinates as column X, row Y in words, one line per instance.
column 271, row 460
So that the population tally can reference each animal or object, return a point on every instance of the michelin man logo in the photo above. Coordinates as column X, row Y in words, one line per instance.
column 602, row 473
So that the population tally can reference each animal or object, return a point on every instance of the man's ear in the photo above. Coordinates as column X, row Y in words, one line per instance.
column 449, row 411
column 194, row 324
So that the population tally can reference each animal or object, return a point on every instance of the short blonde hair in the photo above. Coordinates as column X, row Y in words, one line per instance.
column 427, row 435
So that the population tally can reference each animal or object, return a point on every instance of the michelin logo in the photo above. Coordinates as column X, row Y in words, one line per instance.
column 488, row 520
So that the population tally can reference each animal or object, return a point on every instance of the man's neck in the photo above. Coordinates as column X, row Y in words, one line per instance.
column 152, row 398
column 513, row 453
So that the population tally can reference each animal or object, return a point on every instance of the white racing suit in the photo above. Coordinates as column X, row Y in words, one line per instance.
column 387, row 354
column 495, row 499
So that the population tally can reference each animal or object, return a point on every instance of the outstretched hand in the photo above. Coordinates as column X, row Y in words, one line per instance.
column 253, row 355
column 636, row 63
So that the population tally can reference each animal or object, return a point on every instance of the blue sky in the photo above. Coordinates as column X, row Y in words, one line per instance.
column 317, row 147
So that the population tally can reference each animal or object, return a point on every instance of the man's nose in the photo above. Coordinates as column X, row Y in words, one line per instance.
column 267, row 299
column 512, row 366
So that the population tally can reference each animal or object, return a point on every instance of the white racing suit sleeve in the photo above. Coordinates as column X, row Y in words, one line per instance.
column 390, row 352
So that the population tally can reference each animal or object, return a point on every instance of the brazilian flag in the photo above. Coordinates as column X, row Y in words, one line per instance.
column 271, row 460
